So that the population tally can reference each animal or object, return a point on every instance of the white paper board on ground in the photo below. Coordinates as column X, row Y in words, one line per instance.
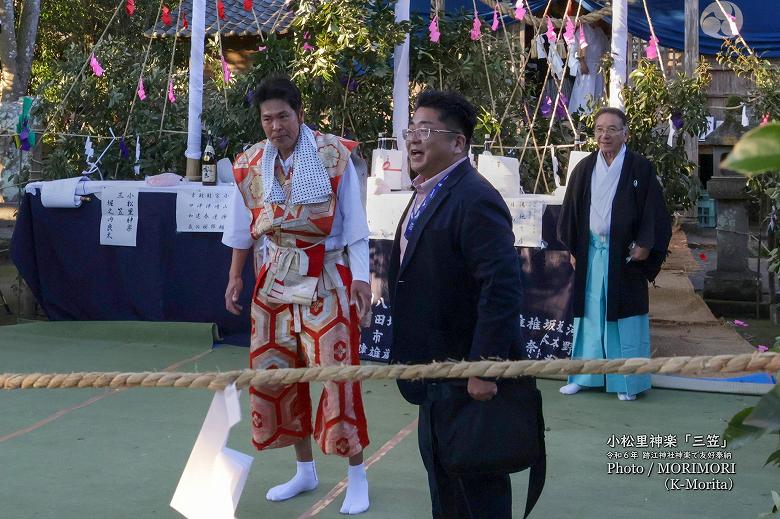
column 214, row 476
column 119, row 221
column 202, row 210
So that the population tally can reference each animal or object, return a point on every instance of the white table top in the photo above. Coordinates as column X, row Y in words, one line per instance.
column 89, row 187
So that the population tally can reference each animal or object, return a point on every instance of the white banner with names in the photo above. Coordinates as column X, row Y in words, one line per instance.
column 202, row 210
column 119, row 222
column 526, row 221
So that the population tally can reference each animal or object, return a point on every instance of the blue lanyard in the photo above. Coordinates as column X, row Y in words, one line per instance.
column 415, row 214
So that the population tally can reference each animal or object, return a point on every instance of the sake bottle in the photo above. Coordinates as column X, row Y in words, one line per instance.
column 208, row 165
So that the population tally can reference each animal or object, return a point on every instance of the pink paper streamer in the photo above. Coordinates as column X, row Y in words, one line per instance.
column 519, row 10
column 262, row 48
column 476, row 28
column 583, row 41
column 652, row 48
column 764, row 120
column 551, row 36
column 95, row 64
column 568, row 35
column 494, row 27
column 761, row 348
column 141, row 91
column 171, row 97
column 226, row 75
column 433, row 30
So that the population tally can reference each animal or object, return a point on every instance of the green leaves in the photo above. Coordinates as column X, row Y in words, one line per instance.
column 766, row 414
column 752, row 423
column 758, row 151
column 774, row 459
column 738, row 433
column 345, row 72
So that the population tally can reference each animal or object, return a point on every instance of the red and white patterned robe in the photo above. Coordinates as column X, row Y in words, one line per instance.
column 319, row 331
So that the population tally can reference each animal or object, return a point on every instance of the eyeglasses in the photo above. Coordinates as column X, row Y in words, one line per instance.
column 608, row 131
column 423, row 133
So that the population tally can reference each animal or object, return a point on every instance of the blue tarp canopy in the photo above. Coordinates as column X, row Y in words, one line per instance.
column 757, row 20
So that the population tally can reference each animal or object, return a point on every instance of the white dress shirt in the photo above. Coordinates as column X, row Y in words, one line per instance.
column 603, row 186
column 349, row 229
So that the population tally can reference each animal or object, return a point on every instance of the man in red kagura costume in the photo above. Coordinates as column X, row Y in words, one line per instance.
column 303, row 216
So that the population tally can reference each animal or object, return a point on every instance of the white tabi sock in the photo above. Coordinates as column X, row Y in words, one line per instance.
column 625, row 397
column 305, row 479
column 356, row 500
column 570, row 389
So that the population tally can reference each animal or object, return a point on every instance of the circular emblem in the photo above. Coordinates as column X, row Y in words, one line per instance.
column 715, row 23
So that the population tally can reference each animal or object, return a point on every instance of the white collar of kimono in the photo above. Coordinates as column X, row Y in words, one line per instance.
column 617, row 162
column 603, row 187
column 310, row 180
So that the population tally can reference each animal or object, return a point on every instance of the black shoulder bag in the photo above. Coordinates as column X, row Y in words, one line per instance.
column 499, row 436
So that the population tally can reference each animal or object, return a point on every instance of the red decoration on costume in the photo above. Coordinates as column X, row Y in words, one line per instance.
column 247, row 5
column 702, row 256
column 184, row 21
column 221, row 9
column 130, row 7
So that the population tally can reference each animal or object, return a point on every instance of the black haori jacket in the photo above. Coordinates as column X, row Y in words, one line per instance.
column 638, row 215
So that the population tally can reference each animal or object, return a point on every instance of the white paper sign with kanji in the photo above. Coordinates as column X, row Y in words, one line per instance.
column 526, row 221
column 119, row 222
column 202, row 210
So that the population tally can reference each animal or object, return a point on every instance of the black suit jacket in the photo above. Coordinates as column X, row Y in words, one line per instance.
column 639, row 215
column 456, row 295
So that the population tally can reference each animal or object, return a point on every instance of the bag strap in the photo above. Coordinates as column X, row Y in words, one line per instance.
column 538, row 471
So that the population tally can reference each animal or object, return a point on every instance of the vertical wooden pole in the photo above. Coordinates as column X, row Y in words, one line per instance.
column 691, row 61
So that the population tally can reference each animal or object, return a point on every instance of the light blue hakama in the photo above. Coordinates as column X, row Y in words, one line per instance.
column 597, row 338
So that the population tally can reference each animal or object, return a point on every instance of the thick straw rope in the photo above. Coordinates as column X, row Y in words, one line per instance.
column 744, row 363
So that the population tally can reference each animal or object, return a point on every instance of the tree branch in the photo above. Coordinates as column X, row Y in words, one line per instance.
column 8, row 51
column 25, row 49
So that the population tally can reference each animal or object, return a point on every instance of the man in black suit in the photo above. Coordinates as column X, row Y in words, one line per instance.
column 455, row 288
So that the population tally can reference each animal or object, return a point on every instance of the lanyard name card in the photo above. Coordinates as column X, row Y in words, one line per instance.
column 415, row 214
